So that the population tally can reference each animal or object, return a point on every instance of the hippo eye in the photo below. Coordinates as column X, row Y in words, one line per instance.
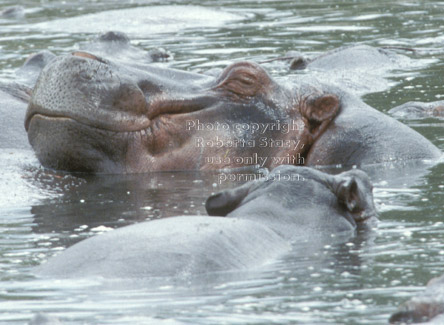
column 244, row 79
column 88, row 56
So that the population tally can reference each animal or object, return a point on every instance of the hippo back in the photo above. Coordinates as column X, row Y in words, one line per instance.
column 179, row 246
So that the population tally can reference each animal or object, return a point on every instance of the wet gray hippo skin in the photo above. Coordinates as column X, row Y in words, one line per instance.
column 96, row 115
column 13, row 102
column 12, row 12
column 44, row 319
column 252, row 224
column 30, row 70
column 117, row 45
column 418, row 110
column 361, row 135
column 110, row 44
column 348, row 57
column 427, row 306
column 14, row 99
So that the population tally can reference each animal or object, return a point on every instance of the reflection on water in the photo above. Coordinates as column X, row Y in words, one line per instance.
column 345, row 281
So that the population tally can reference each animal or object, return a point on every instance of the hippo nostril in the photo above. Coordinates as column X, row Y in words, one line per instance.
column 148, row 87
column 130, row 98
column 88, row 56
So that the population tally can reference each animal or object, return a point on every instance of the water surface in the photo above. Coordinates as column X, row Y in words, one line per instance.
column 357, row 281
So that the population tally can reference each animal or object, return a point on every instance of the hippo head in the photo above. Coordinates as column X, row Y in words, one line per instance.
column 89, row 114
column 303, row 196
column 427, row 306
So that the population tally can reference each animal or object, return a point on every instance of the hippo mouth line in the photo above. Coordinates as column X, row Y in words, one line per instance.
column 180, row 106
column 61, row 118
column 156, row 110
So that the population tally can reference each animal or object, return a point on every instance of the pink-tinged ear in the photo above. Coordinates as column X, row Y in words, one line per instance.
column 318, row 111
column 320, row 108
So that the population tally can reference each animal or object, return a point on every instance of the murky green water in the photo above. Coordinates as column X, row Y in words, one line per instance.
column 361, row 281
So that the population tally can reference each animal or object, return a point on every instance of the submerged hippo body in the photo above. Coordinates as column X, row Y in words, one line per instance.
column 355, row 57
column 117, row 45
column 418, row 110
column 96, row 115
column 428, row 306
column 12, row 12
column 361, row 135
column 110, row 44
column 252, row 224
column 361, row 69
column 30, row 71
column 13, row 101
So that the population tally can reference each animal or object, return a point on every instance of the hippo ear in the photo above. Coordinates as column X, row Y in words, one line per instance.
column 409, row 316
column 222, row 203
column 298, row 63
column 348, row 194
column 318, row 109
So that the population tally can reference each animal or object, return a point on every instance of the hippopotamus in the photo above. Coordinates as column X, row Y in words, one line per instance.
column 428, row 306
column 13, row 98
column 248, row 226
column 45, row 319
column 91, row 114
column 117, row 45
column 12, row 12
column 28, row 73
column 348, row 57
column 361, row 135
column 111, row 44
column 359, row 68
column 418, row 110
column 15, row 95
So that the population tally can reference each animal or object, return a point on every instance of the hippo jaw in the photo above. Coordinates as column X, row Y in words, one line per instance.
column 91, row 115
